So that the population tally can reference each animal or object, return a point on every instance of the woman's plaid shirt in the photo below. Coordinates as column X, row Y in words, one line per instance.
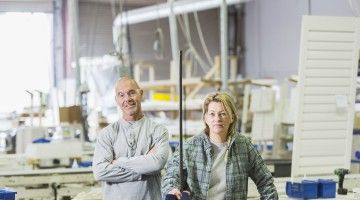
column 243, row 161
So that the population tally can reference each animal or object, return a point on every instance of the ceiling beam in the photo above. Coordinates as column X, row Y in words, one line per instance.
column 163, row 10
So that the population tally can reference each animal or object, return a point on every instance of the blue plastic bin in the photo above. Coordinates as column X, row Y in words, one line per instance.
column 357, row 154
column 306, row 189
column 41, row 140
column 7, row 194
column 85, row 164
column 326, row 188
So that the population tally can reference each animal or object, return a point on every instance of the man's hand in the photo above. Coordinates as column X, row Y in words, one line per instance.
column 151, row 151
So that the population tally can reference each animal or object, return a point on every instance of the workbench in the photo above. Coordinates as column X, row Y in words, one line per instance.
column 48, row 183
column 351, row 181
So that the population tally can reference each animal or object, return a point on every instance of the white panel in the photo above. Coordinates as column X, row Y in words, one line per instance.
column 327, row 82
column 341, row 55
column 263, row 126
column 327, row 68
column 345, row 73
column 318, row 170
column 319, row 108
column 325, row 116
column 323, row 125
column 262, row 100
column 315, row 161
column 327, row 90
column 339, row 24
column 316, row 99
column 329, row 64
column 318, row 147
column 336, row 46
column 318, row 134
column 331, row 36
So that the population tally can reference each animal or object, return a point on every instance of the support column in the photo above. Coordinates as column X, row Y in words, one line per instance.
column 224, row 45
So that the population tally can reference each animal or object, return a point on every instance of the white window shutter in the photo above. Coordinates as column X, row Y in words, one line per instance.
column 329, row 53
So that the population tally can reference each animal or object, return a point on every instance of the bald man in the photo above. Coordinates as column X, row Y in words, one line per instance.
column 130, row 153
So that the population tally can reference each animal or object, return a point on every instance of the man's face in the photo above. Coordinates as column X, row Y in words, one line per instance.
column 128, row 97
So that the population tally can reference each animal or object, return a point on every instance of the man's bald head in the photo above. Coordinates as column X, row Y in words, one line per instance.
column 127, row 80
column 128, row 97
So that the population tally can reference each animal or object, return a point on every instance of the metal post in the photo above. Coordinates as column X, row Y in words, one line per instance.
column 180, row 125
column 224, row 45
column 73, row 12
column 58, row 54
column 173, row 37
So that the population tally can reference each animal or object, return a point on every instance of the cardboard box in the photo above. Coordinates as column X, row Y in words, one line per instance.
column 70, row 114
column 357, row 120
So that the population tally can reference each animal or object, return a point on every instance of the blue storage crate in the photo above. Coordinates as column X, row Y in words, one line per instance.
column 326, row 188
column 85, row 164
column 306, row 189
column 7, row 194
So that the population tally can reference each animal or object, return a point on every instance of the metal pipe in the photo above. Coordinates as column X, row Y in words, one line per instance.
column 180, row 125
column 173, row 38
column 224, row 45
column 73, row 12
column 149, row 13
column 58, row 44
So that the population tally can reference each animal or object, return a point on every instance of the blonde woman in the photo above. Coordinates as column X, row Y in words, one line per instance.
column 219, row 160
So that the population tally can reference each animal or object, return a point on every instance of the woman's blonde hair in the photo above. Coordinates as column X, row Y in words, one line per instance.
column 229, row 105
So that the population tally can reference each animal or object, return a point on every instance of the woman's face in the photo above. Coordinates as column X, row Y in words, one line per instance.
column 217, row 118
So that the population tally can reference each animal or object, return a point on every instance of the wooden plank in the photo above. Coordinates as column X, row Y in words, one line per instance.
column 211, row 72
column 166, row 84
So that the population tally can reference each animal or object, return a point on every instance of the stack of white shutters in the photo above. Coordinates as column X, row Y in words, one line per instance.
column 329, row 52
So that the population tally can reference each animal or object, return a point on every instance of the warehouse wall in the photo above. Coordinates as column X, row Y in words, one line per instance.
column 26, row 6
column 95, row 29
column 272, row 33
column 143, row 36
column 95, row 21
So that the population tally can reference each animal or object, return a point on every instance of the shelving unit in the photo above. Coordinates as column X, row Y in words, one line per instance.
column 166, row 113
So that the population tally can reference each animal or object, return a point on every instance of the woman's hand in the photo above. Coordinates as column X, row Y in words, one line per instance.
column 178, row 194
